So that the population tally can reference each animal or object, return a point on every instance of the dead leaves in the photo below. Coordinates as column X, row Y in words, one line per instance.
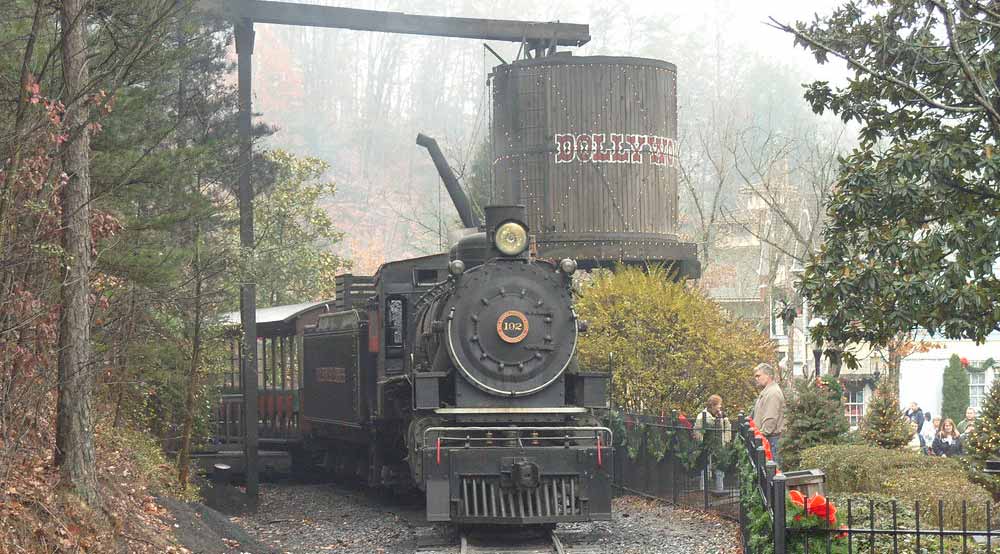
column 39, row 516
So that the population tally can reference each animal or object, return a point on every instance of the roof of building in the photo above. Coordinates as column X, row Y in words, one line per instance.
column 276, row 314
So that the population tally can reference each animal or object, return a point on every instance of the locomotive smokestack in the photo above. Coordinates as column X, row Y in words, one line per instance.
column 458, row 196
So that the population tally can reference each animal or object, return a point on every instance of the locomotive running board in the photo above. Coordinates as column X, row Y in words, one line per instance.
column 480, row 411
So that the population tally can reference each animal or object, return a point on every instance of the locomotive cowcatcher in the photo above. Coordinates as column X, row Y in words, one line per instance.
column 459, row 376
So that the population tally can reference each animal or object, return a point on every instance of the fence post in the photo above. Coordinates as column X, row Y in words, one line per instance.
column 738, row 434
column 738, row 430
column 707, row 469
column 778, row 482
column 611, row 380
column 778, row 509
column 759, row 459
column 705, row 477
column 676, row 465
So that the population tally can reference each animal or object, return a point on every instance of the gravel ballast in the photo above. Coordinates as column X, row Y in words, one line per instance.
column 318, row 518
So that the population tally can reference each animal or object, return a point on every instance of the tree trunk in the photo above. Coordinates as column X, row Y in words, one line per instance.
column 187, row 425
column 789, row 372
column 124, row 363
column 892, row 371
column 74, row 427
column 184, row 455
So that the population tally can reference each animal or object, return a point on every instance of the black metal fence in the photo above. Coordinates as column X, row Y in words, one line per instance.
column 779, row 516
column 687, row 462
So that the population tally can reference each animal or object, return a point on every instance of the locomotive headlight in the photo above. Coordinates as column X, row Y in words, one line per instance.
column 456, row 267
column 511, row 238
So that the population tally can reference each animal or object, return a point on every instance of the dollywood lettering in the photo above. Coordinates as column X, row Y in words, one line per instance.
column 616, row 148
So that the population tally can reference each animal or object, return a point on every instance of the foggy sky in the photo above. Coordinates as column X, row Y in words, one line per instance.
column 397, row 206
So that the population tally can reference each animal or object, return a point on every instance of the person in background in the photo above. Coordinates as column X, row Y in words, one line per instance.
column 916, row 415
column 914, row 443
column 947, row 443
column 712, row 423
column 769, row 409
column 712, row 418
column 930, row 432
column 967, row 424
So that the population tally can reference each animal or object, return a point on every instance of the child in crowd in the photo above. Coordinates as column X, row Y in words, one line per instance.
column 930, row 431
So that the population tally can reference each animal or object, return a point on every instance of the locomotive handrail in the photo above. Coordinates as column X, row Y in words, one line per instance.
column 469, row 439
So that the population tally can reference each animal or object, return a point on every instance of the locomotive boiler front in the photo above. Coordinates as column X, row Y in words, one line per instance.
column 504, row 323
column 510, row 329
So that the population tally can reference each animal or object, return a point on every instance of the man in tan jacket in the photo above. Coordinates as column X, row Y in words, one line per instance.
column 769, row 409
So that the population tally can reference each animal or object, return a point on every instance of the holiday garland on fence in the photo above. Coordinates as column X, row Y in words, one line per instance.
column 759, row 525
column 816, row 513
column 674, row 436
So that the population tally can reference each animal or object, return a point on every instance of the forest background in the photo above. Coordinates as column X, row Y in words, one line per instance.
column 358, row 100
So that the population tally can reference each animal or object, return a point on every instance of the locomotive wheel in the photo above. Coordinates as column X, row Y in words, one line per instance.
column 304, row 460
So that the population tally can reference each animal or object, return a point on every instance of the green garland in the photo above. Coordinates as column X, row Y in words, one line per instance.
column 759, row 525
column 659, row 441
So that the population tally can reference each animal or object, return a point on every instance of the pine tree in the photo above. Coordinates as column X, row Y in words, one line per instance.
column 813, row 416
column 983, row 442
column 884, row 425
column 955, row 390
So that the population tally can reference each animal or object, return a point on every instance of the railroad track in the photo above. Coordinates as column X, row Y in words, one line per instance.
column 492, row 543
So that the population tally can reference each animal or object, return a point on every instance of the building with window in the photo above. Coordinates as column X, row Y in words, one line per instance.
column 977, row 388
column 855, row 400
column 921, row 374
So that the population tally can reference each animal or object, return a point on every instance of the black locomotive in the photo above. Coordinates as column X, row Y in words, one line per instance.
column 460, row 377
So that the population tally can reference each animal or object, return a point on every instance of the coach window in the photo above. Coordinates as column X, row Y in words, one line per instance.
column 395, row 326
column 425, row 277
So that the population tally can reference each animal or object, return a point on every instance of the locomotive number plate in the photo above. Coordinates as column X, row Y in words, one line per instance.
column 512, row 326
column 331, row 375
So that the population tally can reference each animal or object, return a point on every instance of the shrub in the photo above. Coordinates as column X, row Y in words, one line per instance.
column 954, row 390
column 907, row 476
column 673, row 347
column 814, row 415
column 147, row 458
column 885, row 425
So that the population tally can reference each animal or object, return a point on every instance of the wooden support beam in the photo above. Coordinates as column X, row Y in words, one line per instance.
column 308, row 15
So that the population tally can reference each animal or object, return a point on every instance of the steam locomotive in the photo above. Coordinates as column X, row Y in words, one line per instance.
column 460, row 378
column 459, row 375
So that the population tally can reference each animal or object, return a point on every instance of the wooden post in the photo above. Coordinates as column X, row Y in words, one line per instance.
column 248, row 289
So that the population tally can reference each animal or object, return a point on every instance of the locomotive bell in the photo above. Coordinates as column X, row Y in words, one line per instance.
column 568, row 266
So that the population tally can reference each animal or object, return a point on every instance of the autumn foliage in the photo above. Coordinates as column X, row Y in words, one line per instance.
column 31, row 257
column 671, row 347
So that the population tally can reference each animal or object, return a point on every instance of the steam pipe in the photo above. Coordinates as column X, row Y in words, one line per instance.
column 458, row 196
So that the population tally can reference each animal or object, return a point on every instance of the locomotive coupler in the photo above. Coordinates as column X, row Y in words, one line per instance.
column 520, row 474
column 524, row 474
